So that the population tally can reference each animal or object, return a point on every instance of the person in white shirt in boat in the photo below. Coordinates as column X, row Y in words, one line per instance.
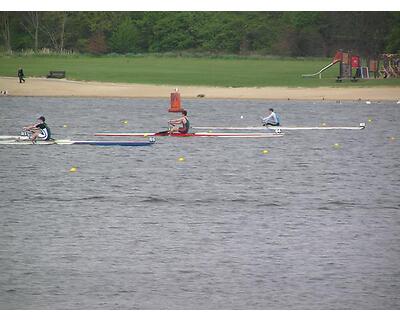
column 182, row 121
column 272, row 119
column 39, row 130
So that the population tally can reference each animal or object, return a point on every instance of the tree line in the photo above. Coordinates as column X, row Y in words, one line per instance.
column 244, row 33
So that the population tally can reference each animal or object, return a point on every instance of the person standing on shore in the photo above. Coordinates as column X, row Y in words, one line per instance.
column 21, row 75
column 272, row 120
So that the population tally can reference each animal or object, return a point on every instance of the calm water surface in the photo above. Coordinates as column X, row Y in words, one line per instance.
column 305, row 226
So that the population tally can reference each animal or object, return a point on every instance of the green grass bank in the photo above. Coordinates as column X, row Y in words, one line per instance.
column 221, row 72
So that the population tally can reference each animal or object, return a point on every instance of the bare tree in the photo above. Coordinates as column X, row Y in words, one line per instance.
column 30, row 23
column 62, row 32
column 54, row 26
column 5, row 29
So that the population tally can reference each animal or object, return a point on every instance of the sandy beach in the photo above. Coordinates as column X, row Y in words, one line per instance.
column 68, row 88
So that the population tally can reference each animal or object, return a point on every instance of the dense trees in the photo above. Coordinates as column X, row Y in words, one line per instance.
column 273, row 33
column 5, row 30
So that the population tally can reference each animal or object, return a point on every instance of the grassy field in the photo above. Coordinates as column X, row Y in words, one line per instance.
column 224, row 72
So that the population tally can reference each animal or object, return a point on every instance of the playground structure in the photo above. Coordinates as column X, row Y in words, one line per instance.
column 390, row 66
column 350, row 66
column 337, row 58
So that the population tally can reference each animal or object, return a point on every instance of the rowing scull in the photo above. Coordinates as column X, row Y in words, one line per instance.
column 268, row 128
column 72, row 142
column 195, row 134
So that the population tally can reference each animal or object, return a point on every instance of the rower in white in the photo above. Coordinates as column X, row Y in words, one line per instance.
column 272, row 119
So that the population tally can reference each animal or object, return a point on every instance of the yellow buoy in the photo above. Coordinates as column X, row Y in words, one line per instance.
column 125, row 121
column 73, row 169
column 65, row 126
column 336, row 145
column 370, row 120
column 180, row 159
column 265, row 151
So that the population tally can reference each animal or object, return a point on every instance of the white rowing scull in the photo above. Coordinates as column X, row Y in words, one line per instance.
column 274, row 128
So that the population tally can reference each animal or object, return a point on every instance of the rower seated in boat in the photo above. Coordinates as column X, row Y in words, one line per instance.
column 272, row 119
column 38, row 130
column 180, row 125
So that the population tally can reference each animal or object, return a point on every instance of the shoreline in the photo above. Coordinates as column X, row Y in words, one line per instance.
column 42, row 87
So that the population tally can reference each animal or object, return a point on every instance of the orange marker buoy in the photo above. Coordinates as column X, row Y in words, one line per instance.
column 175, row 102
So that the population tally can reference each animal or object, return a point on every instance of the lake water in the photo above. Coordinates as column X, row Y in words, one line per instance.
column 305, row 226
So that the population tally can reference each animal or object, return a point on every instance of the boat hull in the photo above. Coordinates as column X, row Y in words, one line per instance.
column 195, row 134
column 71, row 142
column 274, row 128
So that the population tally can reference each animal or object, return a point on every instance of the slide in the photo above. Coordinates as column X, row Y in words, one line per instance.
column 320, row 71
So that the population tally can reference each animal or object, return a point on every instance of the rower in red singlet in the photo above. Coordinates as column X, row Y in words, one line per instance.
column 183, row 121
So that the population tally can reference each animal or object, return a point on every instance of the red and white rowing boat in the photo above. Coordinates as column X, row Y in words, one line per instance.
column 194, row 134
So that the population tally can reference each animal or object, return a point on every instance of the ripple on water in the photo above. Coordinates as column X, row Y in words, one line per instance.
column 306, row 226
